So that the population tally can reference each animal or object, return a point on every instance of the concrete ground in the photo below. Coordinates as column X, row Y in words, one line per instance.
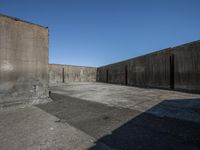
column 171, row 103
column 97, row 116
column 31, row 128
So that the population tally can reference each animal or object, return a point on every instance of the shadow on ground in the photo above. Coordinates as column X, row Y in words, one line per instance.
column 170, row 125
column 150, row 132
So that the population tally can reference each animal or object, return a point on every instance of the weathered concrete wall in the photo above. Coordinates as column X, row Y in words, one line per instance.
column 23, row 61
column 155, row 69
column 66, row 73
column 187, row 66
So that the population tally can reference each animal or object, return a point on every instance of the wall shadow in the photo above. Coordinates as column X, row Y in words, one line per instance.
column 170, row 125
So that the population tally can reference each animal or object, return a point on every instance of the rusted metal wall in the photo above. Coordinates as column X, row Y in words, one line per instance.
column 155, row 70
column 23, row 61
column 66, row 73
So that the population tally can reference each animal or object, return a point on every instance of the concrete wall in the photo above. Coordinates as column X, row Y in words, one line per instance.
column 23, row 61
column 155, row 69
column 66, row 74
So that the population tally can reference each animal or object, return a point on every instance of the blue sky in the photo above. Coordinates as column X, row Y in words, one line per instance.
column 99, row 32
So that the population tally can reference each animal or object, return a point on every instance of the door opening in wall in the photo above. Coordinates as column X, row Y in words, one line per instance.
column 107, row 76
column 126, row 75
column 63, row 75
column 172, row 71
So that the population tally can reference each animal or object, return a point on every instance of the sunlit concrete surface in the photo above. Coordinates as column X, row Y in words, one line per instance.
column 23, row 62
column 97, row 116
column 127, row 118
column 31, row 128
column 140, row 99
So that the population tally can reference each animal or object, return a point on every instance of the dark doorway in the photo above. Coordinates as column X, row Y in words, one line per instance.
column 63, row 75
column 107, row 76
column 172, row 71
column 126, row 75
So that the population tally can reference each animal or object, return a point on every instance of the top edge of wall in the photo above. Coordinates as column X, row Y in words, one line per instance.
column 197, row 41
column 17, row 19
column 151, row 53
column 71, row 65
column 124, row 61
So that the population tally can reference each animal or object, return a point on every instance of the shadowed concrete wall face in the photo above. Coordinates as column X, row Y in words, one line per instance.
column 65, row 74
column 23, row 61
column 175, row 68
column 187, row 66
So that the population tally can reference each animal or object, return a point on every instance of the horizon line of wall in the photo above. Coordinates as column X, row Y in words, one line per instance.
column 176, row 68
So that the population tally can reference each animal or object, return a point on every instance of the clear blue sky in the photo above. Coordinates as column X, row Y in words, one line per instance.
column 99, row 32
